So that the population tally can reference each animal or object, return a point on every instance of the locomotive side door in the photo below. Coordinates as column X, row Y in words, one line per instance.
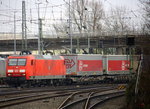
column 33, row 63
column 32, row 69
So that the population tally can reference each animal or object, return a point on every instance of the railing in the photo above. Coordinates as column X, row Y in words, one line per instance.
column 10, row 36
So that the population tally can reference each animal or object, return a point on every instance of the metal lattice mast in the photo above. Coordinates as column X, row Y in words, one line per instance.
column 24, row 32
column 70, row 28
column 41, row 35
column 14, row 33
column 39, row 30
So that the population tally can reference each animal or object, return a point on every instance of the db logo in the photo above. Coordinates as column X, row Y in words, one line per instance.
column 16, row 70
column 124, row 65
column 69, row 63
column 82, row 65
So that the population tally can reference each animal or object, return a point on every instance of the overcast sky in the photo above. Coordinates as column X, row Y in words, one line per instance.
column 50, row 10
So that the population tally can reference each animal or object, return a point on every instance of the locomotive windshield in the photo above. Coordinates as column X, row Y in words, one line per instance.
column 12, row 62
column 21, row 62
column 15, row 62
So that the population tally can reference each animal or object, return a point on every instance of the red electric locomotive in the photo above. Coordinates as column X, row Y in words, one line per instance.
column 35, row 69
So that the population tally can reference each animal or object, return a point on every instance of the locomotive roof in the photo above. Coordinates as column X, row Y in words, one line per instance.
column 48, row 57
column 53, row 57
column 90, row 55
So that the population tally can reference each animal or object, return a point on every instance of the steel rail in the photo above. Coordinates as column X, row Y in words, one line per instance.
column 66, row 100
column 41, row 96
column 87, row 101
column 83, row 99
column 7, row 92
column 106, row 99
column 26, row 99
column 84, row 91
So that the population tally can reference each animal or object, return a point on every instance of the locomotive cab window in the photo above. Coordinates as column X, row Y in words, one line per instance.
column 15, row 62
column 21, row 62
column 12, row 62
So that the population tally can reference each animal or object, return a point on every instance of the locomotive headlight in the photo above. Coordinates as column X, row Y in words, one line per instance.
column 23, row 74
column 22, row 71
column 10, row 71
column 9, row 74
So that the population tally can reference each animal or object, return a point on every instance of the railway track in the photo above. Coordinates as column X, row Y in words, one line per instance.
column 19, row 99
column 93, row 99
column 106, row 98
column 25, row 99
column 11, row 91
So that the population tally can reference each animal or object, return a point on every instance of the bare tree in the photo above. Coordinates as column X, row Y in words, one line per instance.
column 61, row 29
column 86, row 18
column 117, row 22
column 146, row 16
column 87, row 15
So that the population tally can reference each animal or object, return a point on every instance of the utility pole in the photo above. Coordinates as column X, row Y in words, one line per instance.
column 41, row 36
column 70, row 28
column 14, row 33
column 24, row 32
column 88, row 44
column 138, row 76
column 39, row 29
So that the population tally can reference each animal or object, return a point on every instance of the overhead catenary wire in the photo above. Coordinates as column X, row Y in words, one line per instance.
column 51, row 8
column 45, row 9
